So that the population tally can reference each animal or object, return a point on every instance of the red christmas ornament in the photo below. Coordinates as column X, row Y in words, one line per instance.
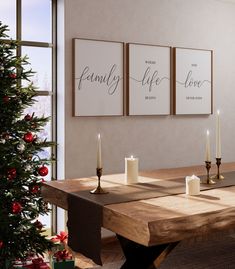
column 28, row 137
column 16, row 207
column 1, row 244
column 43, row 171
column 12, row 75
column 11, row 173
column 6, row 99
column 35, row 189
column 28, row 117
column 38, row 224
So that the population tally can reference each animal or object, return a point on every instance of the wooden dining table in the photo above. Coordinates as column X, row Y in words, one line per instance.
column 149, row 229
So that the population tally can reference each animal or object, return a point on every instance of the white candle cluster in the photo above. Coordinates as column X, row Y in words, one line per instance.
column 131, row 165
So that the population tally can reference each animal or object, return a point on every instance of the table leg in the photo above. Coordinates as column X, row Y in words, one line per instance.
column 142, row 257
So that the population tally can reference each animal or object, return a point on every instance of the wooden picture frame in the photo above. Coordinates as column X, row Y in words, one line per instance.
column 193, row 81
column 98, row 77
column 148, row 79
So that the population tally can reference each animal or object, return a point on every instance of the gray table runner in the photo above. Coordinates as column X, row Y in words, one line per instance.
column 85, row 210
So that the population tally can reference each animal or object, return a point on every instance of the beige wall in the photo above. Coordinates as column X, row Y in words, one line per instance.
column 158, row 141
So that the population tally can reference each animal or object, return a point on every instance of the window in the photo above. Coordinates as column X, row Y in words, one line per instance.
column 32, row 23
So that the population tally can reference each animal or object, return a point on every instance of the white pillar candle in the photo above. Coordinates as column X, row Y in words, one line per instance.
column 208, row 148
column 218, row 141
column 192, row 185
column 99, row 158
column 131, row 170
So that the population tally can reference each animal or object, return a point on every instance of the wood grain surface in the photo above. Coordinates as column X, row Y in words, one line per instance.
column 158, row 220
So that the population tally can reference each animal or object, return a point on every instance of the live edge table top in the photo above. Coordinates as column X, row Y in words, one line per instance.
column 157, row 220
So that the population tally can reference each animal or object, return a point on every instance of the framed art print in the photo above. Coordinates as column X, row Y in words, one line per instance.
column 192, row 81
column 98, row 78
column 148, row 79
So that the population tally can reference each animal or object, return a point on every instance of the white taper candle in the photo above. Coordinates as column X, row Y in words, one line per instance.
column 208, row 148
column 99, row 158
column 218, row 138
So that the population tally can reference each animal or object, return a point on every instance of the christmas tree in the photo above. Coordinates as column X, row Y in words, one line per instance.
column 21, row 168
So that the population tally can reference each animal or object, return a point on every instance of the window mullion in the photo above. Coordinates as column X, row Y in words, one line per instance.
column 44, row 93
column 36, row 44
column 18, row 24
column 54, row 225
column 18, row 31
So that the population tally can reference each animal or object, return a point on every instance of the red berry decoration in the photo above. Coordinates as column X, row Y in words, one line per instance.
column 16, row 208
column 43, row 171
column 11, row 173
column 28, row 137
column 28, row 117
column 1, row 244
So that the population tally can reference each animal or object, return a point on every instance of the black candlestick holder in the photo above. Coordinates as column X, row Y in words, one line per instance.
column 209, row 180
column 98, row 189
column 218, row 175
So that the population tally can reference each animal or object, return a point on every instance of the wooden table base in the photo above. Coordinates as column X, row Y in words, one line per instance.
column 142, row 257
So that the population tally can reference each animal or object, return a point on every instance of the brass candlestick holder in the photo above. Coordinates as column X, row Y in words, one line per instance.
column 209, row 180
column 98, row 189
column 218, row 176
